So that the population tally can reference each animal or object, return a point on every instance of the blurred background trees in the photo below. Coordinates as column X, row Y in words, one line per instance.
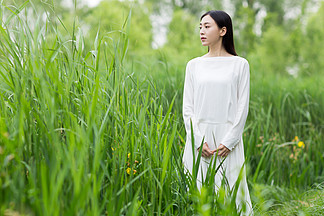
column 285, row 37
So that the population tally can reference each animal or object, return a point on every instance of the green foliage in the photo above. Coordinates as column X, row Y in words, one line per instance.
column 313, row 46
column 282, row 201
column 183, row 30
column 273, row 51
column 244, row 35
column 109, row 18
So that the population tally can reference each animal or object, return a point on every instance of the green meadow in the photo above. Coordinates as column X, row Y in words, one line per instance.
column 91, row 123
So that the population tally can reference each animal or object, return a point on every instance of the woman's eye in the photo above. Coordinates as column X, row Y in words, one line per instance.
column 205, row 27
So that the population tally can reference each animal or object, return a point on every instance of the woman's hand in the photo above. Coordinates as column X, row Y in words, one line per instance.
column 222, row 150
column 206, row 152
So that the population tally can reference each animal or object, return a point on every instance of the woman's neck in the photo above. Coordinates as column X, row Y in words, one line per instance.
column 217, row 50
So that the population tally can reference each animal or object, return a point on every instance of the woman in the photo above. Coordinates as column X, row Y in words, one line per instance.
column 215, row 103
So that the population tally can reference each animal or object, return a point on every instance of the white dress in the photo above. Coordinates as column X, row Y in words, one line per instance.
column 216, row 101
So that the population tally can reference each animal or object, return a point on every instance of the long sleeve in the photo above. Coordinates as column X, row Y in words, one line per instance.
column 234, row 135
column 188, row 108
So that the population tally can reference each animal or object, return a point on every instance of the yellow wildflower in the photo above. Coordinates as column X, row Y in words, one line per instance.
column 301, row 144
column 128, row 155
column 128, row 170
column 295, row 139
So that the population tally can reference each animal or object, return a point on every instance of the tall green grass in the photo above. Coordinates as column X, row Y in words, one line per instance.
column 88, row 132
column 81, row 135
column 277, row 200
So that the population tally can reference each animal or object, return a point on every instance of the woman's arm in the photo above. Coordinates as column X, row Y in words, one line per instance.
column 188, row 108
column 234, row 135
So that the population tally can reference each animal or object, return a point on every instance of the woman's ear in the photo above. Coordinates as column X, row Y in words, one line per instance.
column 223, row 31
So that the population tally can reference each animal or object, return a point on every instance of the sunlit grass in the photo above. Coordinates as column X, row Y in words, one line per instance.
column 275, row 200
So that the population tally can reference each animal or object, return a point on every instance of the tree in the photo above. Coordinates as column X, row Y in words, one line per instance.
column 192, row 6
column 109, row 18
column 313, row 46
column 244, row 35
column 273, row 50
column 183, row 35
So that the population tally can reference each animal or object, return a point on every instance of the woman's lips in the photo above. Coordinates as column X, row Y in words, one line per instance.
column 202, row 38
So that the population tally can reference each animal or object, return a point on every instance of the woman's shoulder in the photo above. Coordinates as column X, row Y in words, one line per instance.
column 243, row 60
column 219, row 59
column 193, row 60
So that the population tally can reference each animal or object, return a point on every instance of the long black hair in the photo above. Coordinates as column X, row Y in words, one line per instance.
column 222, row 19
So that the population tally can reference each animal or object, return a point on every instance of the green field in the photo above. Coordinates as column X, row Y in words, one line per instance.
column 87, row 128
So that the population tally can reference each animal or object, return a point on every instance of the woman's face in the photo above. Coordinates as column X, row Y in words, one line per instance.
column 210, row 33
